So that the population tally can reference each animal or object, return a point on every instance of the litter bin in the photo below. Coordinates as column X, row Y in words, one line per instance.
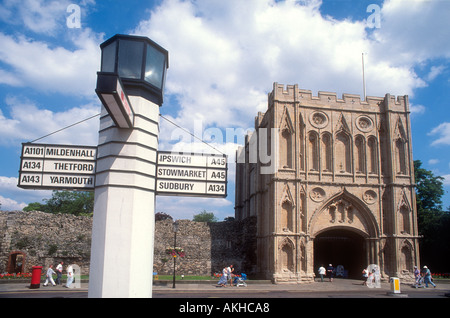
column 36, row 277
column 395, row 285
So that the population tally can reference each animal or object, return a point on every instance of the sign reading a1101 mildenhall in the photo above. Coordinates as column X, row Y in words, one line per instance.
column 201, row 175
column 57, row 167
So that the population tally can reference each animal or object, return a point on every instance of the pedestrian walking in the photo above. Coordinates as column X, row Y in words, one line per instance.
column 330, row 272
column 59, row 270
column 427, row 277
column 230, row 275
column 365, row 274
column 416, row 276
column 223, row 279
column 49, row 277
column 69, row 276
column 322, row 272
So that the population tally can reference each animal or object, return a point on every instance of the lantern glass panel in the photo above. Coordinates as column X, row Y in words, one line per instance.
column 109, row 57
column 130, row 59
column 154, row 67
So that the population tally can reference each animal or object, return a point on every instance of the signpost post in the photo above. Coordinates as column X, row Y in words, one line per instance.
column 130, row 86
column 125, row 170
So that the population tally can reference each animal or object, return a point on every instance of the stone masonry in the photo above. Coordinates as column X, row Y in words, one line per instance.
column 341, row 186
column 40, row 239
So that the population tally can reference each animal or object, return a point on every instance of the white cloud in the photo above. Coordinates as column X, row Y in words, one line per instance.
column 39, row 16
column 446, row 180
column 435, row 71
column 433, row 161
column 443, row 134
column 413, row 31
column 225, row 55
column 13, row 197
column 51, row 69
column 416, row 109
column 7, row 204
column 28, row 122
column 186, row 207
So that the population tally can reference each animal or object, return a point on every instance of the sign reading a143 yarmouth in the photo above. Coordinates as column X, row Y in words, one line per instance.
column 202, row 175
column 44, row 166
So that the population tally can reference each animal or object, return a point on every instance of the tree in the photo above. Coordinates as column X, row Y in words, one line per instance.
column 35, row 206
column 68, row 202
column 161, row 216
column 429, row 189
column 433, row 222
column 429, row 192
column 205, row 216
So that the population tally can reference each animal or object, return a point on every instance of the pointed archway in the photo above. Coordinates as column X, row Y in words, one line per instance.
column 343, row 230
column 340, row 247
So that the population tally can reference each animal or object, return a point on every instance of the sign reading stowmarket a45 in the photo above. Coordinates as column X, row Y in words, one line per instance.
column 57, row 167
column 202, row 175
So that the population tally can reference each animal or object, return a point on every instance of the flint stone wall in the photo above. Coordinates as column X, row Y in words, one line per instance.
column 46, row 239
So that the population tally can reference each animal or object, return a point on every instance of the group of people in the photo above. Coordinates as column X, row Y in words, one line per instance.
column 59, row 271
column 227, row 276
column 424, row 274
column 329, row 272
column 372, row 276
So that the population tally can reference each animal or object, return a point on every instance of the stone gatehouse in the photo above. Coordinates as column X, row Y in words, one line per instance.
column 339, row 187
column 39, row 239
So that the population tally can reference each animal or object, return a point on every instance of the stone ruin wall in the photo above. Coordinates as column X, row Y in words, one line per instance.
column 46, row 239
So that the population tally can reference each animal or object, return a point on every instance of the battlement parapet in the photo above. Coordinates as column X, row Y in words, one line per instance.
column 292, row 94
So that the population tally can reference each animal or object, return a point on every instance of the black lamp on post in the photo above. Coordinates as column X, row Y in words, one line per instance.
column 175, row 230
column 131, row 66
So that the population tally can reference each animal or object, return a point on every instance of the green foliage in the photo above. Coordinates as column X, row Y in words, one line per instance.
column 433, row 222
column 205, row 216
column 161, row 216
column 35, row 206
column 429, row 189
column 52, row 249
column 67, row 202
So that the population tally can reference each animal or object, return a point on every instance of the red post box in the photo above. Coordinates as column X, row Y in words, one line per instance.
column 36, row 277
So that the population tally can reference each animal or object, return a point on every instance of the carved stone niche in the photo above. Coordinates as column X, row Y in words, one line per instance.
column 341, row 211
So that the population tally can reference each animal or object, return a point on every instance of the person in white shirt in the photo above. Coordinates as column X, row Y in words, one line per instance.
column 69, row 276
column 49, row 276
column 322, row 272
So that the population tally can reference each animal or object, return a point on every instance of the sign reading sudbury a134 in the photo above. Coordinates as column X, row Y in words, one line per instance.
column 191, row 174
column 57, row 167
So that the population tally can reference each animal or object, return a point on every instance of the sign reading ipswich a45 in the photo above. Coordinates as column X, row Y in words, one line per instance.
column 194, row 174
column 57, row 167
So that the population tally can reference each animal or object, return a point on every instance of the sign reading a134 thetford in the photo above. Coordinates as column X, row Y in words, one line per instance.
column 45, row 166
column 201, row 175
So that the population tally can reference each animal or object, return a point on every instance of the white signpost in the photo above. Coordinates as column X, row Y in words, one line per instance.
column 46, row 166
column 192, row 174
column 125, row 169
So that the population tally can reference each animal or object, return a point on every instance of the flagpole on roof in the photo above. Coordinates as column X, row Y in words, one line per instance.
column 364, row 80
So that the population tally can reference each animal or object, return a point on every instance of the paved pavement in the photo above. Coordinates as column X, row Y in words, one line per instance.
column 339, row 288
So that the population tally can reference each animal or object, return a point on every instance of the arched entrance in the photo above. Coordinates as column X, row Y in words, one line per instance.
column 344, row 232
column 16, row 263
column 340, row 247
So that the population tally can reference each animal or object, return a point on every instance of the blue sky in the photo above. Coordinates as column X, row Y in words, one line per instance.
column 224, row 58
